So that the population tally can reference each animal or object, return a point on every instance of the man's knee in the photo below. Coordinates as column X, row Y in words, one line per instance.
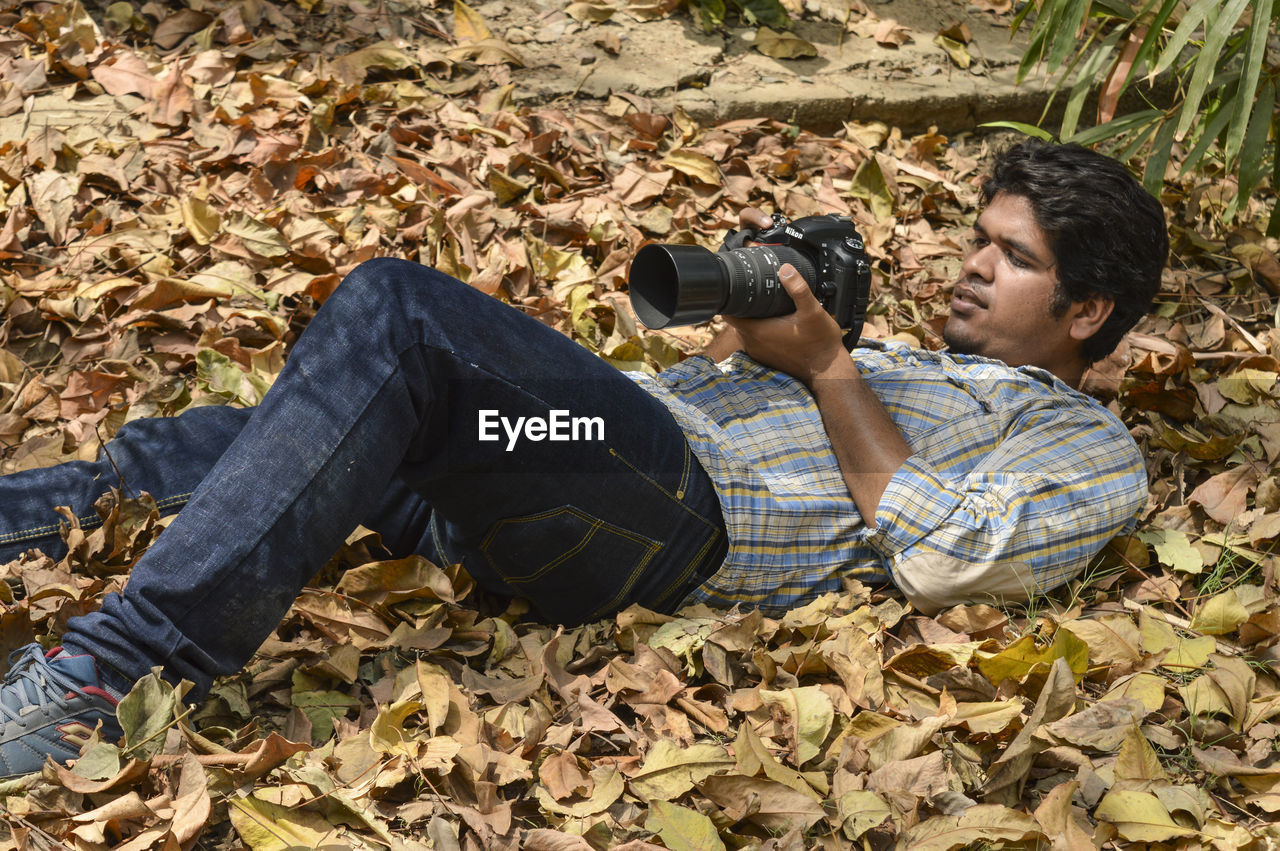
column 389, row 279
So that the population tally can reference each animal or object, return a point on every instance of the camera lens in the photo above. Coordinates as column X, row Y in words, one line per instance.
column 676, row 285
column 687, row 284
column 754, row 288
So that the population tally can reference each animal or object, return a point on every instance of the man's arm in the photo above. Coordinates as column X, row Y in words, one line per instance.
column 1057, row 484
column 808, row 345
column 723, row 344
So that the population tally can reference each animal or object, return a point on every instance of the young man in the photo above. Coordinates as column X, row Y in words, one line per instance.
column 412, row 404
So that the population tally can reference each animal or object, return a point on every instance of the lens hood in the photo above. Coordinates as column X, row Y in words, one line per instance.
column 676, row 285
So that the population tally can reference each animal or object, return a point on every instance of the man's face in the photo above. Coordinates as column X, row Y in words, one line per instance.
column 1002, row 303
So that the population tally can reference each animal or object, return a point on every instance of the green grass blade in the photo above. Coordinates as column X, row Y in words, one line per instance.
column 1100, row 58
column 1114, row 128
column 1217, row 30
column 1066, row 34
column 1146, row 55
column 1161, row 149
column 1273, row 224
column 1035, row 50
column 1026, row 129
column 1216, row 121
column 1190, row 21
column 1255, row 142
column 1136, row 141
column 1254, row 55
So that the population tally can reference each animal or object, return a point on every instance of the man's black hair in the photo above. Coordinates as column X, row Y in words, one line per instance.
column 1107, row 234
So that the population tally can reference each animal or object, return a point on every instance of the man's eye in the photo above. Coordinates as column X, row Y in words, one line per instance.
column 981, row 242
column 1016, row 261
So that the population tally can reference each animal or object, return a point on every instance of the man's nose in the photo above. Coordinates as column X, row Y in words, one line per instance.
column 980, row 262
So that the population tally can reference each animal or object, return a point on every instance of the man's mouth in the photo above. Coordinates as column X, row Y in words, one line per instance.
column 965, row 300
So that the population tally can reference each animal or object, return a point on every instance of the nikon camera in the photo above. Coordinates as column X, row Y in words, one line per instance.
column 687, row 284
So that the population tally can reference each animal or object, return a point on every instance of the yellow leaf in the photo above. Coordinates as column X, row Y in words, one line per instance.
column 595, row 12
column 1221, row 615
column 202, row 221
column 1111, row 638
column 608, row 787
column 1157, row 634
column 984, row 823
column 1023, row 656
column 258, row 237
column 265, row 826
column 1202, row 696
column 467, row 23
column 682, row 829
column 1138, row 760
column 1144, row 687
column 1139, row 817
column 812, row 714
column 696, row 165
column 783, row 45
column 387, row 733
column 958, row 52
column 670, row 770
column 1174, row 550
column 1190, row 652
column 858, row 812
column 988, row 717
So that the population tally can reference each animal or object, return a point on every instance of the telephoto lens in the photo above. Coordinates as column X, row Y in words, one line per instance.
column 687, row 284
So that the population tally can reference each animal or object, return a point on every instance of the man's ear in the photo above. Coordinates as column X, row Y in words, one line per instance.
column 1087, row 316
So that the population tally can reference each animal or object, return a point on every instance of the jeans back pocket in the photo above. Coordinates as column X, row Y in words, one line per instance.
column 567, row 561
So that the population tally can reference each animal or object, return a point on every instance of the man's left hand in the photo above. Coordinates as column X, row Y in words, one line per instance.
column 806, row 344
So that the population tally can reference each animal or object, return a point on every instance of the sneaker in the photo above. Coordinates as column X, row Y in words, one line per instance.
column 49, row 704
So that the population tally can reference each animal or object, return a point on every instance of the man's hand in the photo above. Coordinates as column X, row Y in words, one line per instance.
column 728, row 341
column 806, row 345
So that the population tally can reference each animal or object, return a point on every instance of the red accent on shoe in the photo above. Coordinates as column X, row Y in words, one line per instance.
column 103, row 693
column 49, row 654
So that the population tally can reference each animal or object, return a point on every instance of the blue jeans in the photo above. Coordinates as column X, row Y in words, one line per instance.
column 378, row 417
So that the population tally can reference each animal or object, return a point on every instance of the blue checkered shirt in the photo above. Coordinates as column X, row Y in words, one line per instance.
column 1009, row 467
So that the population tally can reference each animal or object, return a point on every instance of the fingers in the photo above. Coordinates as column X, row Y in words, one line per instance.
column 796, row 287
column 752, row 218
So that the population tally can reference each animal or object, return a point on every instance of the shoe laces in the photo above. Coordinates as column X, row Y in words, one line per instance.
column 32, row 681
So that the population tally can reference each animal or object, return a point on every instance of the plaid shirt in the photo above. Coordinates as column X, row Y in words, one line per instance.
column 1012, row 471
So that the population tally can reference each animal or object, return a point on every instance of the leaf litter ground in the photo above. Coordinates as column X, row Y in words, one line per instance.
column 167, row 257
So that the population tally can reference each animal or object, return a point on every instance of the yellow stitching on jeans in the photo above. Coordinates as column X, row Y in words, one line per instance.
column 87, row 520
column 688, row 569
column 594, row 523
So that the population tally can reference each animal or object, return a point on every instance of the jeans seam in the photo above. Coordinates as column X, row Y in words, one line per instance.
column 678, row 498
column 685, row 573
column 595, row 524
column 683, row 578
column 86, row 521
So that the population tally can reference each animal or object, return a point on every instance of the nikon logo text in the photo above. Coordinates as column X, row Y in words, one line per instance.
column 556, row 426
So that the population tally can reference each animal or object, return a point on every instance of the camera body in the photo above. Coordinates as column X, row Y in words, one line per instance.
column 834, row 250
column 687, row 284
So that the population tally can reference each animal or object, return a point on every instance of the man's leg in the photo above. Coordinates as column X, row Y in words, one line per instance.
column 391, row 379
column 166, row 457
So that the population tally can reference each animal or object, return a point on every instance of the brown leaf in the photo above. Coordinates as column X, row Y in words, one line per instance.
column 764, row 802
column 563, row 777
column 1224, row 496
column 126, row 74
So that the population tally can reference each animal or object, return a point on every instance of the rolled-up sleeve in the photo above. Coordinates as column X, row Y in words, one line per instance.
column 1027, row 518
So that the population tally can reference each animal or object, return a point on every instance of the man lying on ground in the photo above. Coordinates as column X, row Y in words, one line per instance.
column 761, row 480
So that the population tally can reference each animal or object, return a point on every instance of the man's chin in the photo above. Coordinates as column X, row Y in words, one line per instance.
column 958, row 343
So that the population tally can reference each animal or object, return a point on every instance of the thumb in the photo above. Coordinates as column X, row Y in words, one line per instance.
column 796, row 287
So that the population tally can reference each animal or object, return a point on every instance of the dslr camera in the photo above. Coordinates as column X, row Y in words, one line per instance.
column 687, row 284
